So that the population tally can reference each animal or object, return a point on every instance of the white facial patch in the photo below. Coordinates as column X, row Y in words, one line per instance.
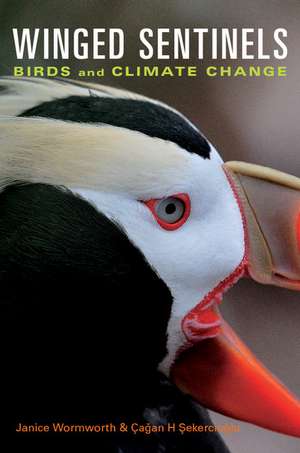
column 195, row 258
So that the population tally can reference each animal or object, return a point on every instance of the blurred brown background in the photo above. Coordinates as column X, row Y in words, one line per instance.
column 253, row 119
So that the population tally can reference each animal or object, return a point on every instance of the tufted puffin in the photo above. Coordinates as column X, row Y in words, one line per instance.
column 120, row 231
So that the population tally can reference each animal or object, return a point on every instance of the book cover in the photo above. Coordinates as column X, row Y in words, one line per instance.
column 150, row 225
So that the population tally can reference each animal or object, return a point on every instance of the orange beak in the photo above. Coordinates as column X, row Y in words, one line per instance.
column 221, row 373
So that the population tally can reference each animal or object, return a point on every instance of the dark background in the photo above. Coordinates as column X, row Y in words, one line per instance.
column 252, row 119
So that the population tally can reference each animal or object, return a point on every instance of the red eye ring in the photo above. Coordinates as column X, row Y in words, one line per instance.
column 186, row 202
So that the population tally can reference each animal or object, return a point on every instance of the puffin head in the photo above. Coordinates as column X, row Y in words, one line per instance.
column 197, row 224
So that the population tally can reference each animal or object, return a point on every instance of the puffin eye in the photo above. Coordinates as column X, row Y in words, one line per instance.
column 170, row 209
column 170, row 212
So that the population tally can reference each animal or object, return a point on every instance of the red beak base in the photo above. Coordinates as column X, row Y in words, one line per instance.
column 223, row 375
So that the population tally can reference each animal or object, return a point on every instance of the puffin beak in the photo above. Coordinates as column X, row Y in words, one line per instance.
column 220, row 372
column 270, row 201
